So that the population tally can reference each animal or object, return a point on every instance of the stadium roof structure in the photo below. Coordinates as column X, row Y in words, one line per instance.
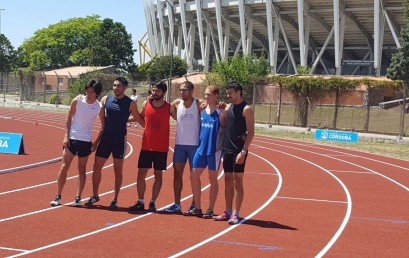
column 348, row 37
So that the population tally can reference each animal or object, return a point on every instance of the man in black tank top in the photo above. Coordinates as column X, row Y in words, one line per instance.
column 237, row 138
column 116, row 109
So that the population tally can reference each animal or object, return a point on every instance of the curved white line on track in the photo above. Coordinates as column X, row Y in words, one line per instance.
column 106, row 228
column 243, row 220
column 33, row 165
column 348, row 196
column 56, row 207
column 348, row 162
column 322, row 147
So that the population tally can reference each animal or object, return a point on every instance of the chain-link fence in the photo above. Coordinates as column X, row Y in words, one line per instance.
column 365, row 115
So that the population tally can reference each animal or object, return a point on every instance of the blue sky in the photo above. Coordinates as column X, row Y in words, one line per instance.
column 21, row 18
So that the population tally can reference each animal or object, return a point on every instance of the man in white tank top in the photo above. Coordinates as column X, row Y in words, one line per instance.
column 187, row 117
column 78, row 137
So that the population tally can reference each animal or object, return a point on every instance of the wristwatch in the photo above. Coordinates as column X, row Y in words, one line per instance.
column 243, row 152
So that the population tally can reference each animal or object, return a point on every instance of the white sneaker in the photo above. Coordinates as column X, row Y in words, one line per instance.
column 56, row 201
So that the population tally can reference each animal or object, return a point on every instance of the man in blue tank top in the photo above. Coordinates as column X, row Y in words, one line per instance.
column 237, row 138
column 116, row 108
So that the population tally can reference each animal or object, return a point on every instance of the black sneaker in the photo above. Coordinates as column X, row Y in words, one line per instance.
column 56, row 201
column 77, row 201
column 93, row 199
column 152, row 207
column 139, row 206
column 114, row 204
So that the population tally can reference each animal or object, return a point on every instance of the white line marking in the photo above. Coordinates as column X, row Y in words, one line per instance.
column 243, row 220
column 103, row 229
column 33, row 165
column 12, row 249
column 349, row 200
column 354, row 164
column 354, row 172
column 313, row 200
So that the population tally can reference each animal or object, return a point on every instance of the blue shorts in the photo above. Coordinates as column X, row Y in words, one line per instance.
column 212, row 161
column 184, row 152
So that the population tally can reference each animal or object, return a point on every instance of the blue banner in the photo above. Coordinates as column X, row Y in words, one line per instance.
column 11, row 143
column 338, row 136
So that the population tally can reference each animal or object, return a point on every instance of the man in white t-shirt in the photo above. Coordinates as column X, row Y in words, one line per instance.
column 187, row 117
column 78, row 137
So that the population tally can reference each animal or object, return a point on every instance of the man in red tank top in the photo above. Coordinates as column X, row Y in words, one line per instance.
column 155, row 144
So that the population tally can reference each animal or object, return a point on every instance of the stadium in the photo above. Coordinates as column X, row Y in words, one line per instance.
column 339, row 37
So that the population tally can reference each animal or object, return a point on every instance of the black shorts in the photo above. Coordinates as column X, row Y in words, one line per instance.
column 229, row 163
column 146, row 158
column 115, row 144
column 80, row 148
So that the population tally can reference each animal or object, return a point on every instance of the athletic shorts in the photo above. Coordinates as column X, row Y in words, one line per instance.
column 80, row 148
column 211, row 161
column 229, row 163
column 115, row 144
column 184, row 152
column 157, row 158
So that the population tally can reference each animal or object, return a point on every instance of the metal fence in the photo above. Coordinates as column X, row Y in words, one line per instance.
column 268, row 110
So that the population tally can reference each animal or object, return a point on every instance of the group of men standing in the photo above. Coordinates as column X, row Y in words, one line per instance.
column 199, row 139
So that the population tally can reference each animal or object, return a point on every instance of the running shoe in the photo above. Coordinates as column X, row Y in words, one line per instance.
column 93, row 199
column 113, row 205
column 77, row 201
column 152, row 207
column 194, row 212
column 175, row 208
column 234, row 219
column 56, row 201
column 139, row 206
column 208, row 214
column 223, row 217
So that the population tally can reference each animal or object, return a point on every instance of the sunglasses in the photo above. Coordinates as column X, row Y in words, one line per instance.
column 183, row 90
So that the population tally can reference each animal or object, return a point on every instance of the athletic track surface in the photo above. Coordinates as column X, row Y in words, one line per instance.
column 301, row 200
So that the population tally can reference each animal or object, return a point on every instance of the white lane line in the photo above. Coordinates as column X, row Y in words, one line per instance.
column 348, row 197
column 344, row 161
column 243, row 220
column 56, row 207
column 325, row 147
column 350, row 171
column 312, row 200
column 12, row 249
column 33, row 165
column 106, row 228
column 68, row 178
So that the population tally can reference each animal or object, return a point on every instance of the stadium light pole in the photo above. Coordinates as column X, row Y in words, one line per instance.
column 0, row 18
column 171, row 53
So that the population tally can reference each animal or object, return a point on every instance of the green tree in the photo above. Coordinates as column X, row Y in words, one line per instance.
column 79, row 41
column 7, row 54
column 160, row 67
column 59, row 44
column 242, row 69
column 112, row 46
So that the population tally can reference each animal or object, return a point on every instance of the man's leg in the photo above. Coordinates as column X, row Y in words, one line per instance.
column 67, row 158
column 229, row 190
column 196, row 186
column 96, row 175
column 118, row 166
column 214, row 188
column 140, row 182
column 82, row 166
column 157, row 185
column 178, row 180
column 239, row 189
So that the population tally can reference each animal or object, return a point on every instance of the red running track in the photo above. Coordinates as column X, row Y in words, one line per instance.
column 301, row 200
